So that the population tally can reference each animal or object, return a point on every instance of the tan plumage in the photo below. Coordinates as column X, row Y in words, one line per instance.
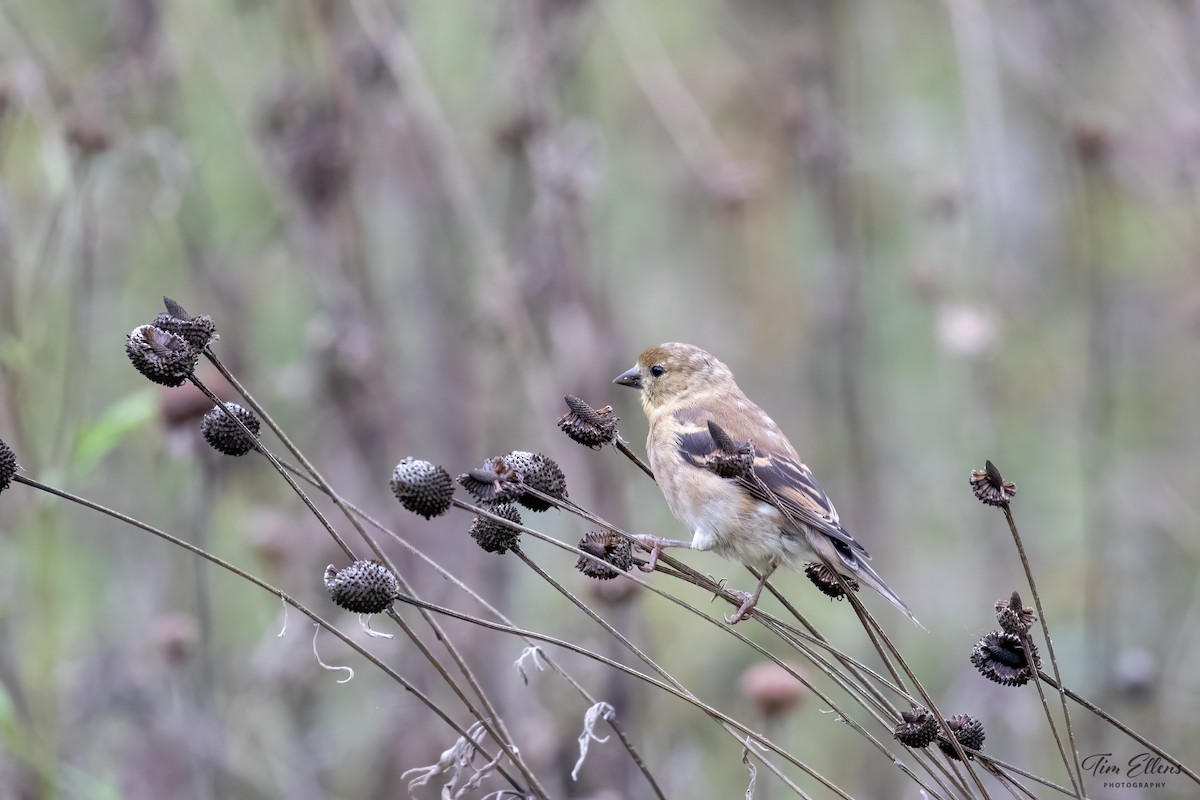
column 775, row 514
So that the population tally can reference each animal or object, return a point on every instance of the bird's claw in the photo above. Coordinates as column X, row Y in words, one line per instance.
column 652, row 544
column 749, row 601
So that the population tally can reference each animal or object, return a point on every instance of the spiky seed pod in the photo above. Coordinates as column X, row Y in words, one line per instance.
column 827, row 582
column 495, row 482
column 1000, row 657
column 493, row 536
column 364, row 587
column 197, row 331
column 730, row 459
column 422, row 487
column 968, row 731
column 1014, row 617
column 591, row 427
column 225, row 435
column 609, row 546
column 8, row 465
column 917, row 728
column 990, row 488
column 161, row 356
column 538, row 472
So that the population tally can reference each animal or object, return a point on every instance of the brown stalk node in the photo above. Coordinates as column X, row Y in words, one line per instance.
column 967, row 730
column 422, row 487
column 590, row 427
column 990, row 488
column 496, row 537
column 364, row 587
column 225, row 435
column 1001, row 657
column 917, row 728
column 1013, row 616
column 614, row 549
column 824, row 579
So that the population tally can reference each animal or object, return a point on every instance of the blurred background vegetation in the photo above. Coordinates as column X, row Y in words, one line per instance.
column 921, row 233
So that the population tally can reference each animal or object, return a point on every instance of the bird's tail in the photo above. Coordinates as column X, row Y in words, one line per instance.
column 863, row 571
column 855, row 565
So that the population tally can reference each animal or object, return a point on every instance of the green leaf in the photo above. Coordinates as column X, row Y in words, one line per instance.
column 120, row 419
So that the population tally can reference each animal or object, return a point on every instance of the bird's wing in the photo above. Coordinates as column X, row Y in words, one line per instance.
column 778, row 478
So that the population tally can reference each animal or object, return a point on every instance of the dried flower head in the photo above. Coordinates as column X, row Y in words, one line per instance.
column 968, row 731
column 365, row 587
column 1014, row 617
column 196, row 331
column 225, row 435
column 772, row 688
column 161, row 356
column 591, row 427
column 824, row 579
column 990, row 488
column 609, row 546
column 8, row 465
column 495, row 482
column 537, row 472
column 496, row 537
column 1000, row 657
column 917, row 728
column 423, row 488
column 729, row 459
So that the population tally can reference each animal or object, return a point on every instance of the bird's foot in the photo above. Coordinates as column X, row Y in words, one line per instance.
column 654, row 545
column 749, row 601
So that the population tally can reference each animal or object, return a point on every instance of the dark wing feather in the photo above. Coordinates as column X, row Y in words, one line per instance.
column 789, row 485
column 778, row 479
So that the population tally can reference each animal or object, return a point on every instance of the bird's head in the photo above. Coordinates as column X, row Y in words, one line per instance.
column 673, row 373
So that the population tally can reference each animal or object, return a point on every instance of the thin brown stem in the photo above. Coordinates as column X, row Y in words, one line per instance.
column 1037, row 600
column 228, row 567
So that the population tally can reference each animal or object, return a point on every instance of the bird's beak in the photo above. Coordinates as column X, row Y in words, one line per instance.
column 630, row 377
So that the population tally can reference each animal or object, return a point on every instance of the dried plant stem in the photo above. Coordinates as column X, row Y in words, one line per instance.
column 586, row 609
column 275, row 463
column 624, row 450
column 759, row 738
column 489, row 718
column 730, row 631
column 682, row 572
column 1121, row 726
column 869, row 622
column 617, row 728
column 225, row 565
column 1037, row 600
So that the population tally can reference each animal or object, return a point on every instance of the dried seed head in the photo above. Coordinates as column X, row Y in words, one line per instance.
column 537, row 472
column 365, row 587
column 161, row 356
column 423, row 488
column 8, row 465
column 772, row 688
column 496, row 537
column 196, row 331
column 1000, row 657
column 968, row 731
column 827, row 582
column 591, row 427
column 990, row 488
column 609, row 546
column 1014, row 617
column 225, row 435
column 730, row 459
column 917, row 728
column 495, row 482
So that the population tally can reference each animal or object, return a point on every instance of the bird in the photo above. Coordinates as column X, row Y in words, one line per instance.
column 729, row 473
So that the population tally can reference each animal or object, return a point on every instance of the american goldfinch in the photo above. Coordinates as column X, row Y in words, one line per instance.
column 730, row 475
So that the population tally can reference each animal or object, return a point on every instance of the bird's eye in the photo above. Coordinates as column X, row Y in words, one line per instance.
column 657, row 370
